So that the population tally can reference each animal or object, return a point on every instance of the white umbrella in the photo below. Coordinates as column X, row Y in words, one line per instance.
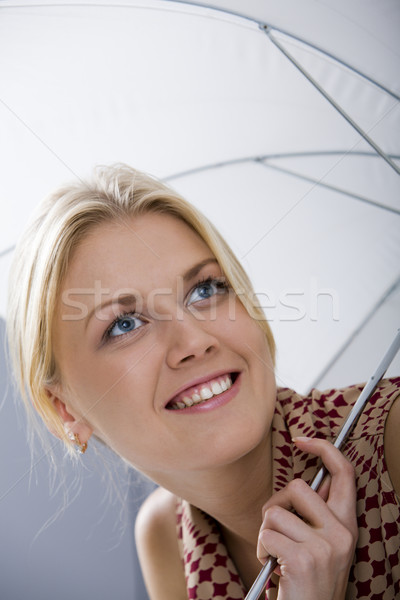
column 279, row 119
column 177, row 88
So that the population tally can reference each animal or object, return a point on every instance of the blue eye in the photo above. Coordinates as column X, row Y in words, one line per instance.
column 124, row 324
column 207, row 289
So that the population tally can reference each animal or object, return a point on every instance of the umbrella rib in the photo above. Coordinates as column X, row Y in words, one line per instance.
column 263, row 161
column 210, row 166
column 7, row 251
column 354, row 334
column 322, row 153
column 328, row 97
column 330, row 187
column 259, row 158
column 263, row 25
column 336, row 59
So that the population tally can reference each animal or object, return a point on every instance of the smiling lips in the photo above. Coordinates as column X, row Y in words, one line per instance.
column 201, row 393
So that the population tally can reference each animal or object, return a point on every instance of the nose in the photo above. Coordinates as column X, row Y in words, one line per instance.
column 188, row 341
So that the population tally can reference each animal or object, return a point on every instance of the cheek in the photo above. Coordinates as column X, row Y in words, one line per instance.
column 121, row 403
column 249, row 333
column 256, row 349
column 100, row 393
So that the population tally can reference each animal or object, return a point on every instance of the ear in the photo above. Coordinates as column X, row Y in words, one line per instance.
column 73, row 425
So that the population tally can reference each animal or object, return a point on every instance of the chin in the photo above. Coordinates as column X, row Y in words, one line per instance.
column 231, row 445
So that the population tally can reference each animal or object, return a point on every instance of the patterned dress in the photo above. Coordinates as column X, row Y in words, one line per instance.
column 375, row 573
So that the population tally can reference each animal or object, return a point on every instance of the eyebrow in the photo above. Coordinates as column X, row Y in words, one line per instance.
column 193, row 271
column 130, row 299
column 127, row 300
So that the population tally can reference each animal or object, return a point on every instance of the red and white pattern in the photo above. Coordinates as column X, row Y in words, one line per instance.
column 375, row 573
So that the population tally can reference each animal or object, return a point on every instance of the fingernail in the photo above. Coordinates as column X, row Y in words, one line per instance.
column 301, row 439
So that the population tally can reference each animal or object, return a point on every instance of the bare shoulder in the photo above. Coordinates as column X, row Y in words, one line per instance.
column 157, row 546
column 392, row 444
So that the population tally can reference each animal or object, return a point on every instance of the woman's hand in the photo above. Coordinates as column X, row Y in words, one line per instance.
column 314, row 552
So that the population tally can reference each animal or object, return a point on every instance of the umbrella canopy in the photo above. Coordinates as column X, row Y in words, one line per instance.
column 279, row 119
column 270, row 117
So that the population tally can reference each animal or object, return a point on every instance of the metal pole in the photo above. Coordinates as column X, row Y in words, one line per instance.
column 268, row 568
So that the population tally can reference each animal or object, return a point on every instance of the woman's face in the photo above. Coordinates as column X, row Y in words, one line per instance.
column 156, row 355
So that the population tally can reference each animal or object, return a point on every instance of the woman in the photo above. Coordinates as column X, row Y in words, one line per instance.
column 131, row 320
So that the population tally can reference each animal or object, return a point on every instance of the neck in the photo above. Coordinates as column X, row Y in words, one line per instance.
column 233, row 494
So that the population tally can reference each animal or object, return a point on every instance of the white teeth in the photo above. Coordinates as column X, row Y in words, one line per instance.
column 206, row 393
column 216, row 388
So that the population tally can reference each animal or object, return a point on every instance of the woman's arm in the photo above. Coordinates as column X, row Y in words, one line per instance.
column 392, row 445
column 315, row 551
column 157, row 547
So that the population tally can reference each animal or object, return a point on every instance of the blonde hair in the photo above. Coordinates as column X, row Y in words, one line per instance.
column 42, row 256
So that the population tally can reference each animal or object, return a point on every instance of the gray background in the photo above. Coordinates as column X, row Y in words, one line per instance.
column 88, row 550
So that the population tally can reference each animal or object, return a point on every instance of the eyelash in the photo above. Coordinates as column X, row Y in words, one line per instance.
column 107, row 334
column 219, row 282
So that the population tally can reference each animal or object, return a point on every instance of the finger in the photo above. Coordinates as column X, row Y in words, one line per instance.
column 287, row 523
column 305, row 571
column 297, row 497
column 300, row 498
column 273, row 544
column 292, row 557
column 317, row 446
column 342, row 491
column 281, row 498
column 323, row 490
column 323, row 530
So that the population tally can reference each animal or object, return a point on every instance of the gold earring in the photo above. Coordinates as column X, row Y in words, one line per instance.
column 79, row 447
